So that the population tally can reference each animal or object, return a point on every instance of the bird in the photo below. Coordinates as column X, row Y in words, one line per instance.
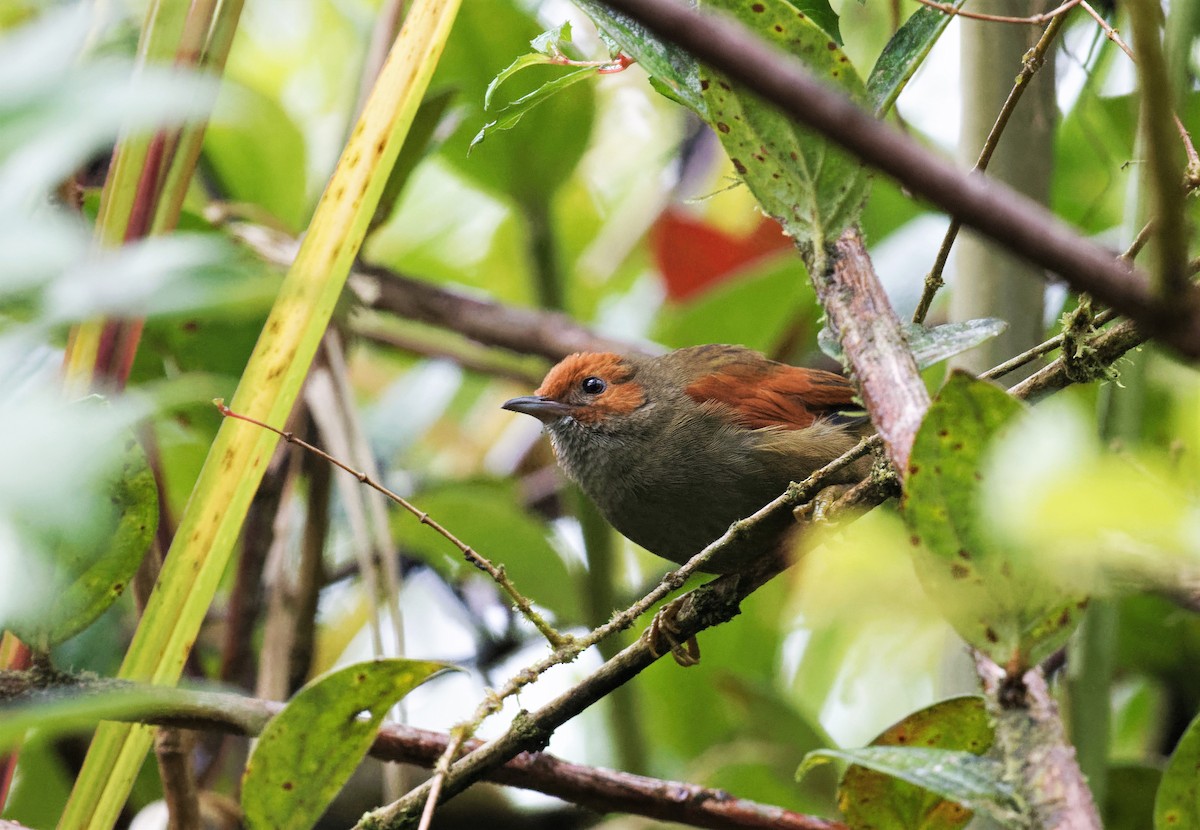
column 675, row 448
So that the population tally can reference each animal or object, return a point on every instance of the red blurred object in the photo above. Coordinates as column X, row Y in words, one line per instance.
column 693, row 256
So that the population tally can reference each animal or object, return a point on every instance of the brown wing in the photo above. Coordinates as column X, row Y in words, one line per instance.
column 763, row 393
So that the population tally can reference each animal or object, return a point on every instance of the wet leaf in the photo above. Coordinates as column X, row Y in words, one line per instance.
column 963, row 777
column 873, row 800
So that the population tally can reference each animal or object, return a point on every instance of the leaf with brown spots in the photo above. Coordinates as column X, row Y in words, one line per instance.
column 308, row 751
column 973, row 781
column 874, row 801
column 813, row 189
column 986, row 590
column 1177, row 805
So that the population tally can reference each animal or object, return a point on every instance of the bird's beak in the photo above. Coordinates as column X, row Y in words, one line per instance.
column 544, row 409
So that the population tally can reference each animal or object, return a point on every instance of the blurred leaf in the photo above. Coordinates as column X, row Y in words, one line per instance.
column 1089, row 520
column 309, row 750
column 267, row 173
column 486, row 516
column 423, row 139
column 1007, row 611
column 812, row 188
column 931, row 345
column 772, row 719
column 1178, row 802
column 694, row 255
column 83, row 580
column 486, row 38
column 56, row 111
column 1130, row 796
column 39, row 792
column 715, row 711
column 871, row 800
column 904, row 54
column 963, row 777
column 674, row 71
column 1093, row 148
column 753, row 307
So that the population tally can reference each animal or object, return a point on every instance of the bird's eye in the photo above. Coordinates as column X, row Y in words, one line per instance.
column 593, row 385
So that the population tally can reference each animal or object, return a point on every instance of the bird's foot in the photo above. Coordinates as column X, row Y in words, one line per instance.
column 663, row 635
column 817, row 510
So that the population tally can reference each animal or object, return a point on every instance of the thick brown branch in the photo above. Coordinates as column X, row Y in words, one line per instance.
column 1039, row 760
column 859, row 312
column 1010, row 219
column 601, row 789
column 527, row 331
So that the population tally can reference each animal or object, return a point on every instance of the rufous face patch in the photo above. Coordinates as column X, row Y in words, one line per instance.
column 567, row 383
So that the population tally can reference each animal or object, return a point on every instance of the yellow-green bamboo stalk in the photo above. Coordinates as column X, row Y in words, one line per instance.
column 267, row 390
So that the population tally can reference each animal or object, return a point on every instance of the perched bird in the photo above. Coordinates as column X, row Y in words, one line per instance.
column 673, row 449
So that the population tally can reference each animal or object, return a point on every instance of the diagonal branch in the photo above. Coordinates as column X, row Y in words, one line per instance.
column 995, row 211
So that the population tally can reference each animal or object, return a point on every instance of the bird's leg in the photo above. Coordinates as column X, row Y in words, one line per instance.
column 663, row 636
column 817, row 510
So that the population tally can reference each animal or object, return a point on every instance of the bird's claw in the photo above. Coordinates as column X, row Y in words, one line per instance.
column 663, row 636
column 817, row 510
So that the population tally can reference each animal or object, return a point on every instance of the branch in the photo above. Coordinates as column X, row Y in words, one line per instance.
column 527, row 331
column 600, row 789
column 997, row 212
column 522, row 330
column 1030, row 66
column 1039, row 761
column 711, row 604
column 861, row 316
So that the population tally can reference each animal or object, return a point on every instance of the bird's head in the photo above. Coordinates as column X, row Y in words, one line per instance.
column 594, row 389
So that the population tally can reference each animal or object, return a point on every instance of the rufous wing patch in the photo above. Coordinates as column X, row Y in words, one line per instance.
column 767, row 394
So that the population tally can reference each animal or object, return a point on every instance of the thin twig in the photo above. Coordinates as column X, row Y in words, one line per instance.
column 1036, row 19
column 523, row 604
column 1032, row 62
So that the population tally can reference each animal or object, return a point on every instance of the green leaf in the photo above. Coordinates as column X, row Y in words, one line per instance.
column 512, row 114
column 673, row 71
column 872, row 800
column 931, row 345
column 522, row 62
column 268, row 174
column 996, row 601
column 485, row 38
column 822, row 14
column 487, row 515
column 1130, row 794
column 86, row 575
column 904, row 54
column 1178, row 802
column 962, row 777
column 814, row 189
column 308, row 751
column 553, row 43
